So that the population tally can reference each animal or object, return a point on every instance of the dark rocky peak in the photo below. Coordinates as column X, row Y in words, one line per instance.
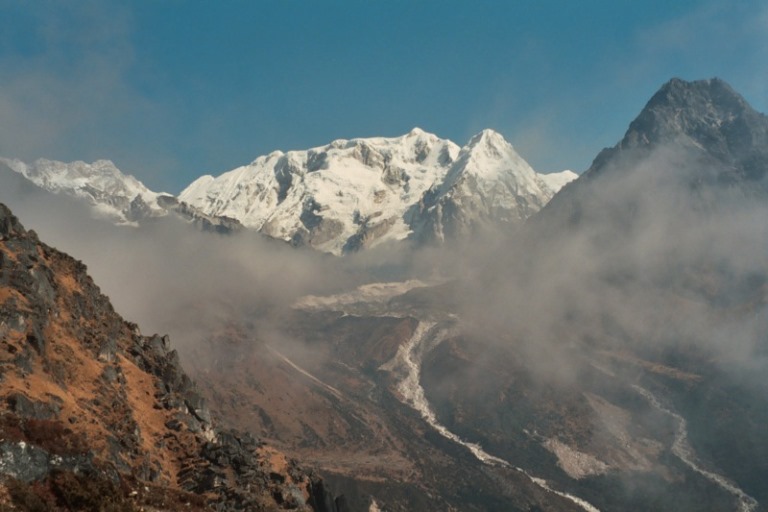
column 703, row 116
column 701, row 110
column 212, row 223
column 695, row 147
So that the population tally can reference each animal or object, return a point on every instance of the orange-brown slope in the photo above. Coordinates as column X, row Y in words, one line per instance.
column 94, row 415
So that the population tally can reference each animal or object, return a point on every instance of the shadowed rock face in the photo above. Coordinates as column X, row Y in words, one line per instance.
column 94, row 415
column 711, row 114
column 696, row 149
column 699, row 136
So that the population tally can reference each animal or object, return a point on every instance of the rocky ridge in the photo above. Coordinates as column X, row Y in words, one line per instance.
column 96, row 416
column 668, row 223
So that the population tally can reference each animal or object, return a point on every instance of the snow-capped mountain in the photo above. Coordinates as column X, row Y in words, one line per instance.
column 329, row 196
column 357, row 193
column 338, row 198
column 114, row 195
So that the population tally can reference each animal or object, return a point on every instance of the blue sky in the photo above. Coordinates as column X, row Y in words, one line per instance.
column 171, row 90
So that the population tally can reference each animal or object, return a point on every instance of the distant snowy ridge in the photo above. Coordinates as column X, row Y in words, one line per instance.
column 358, row 193
column 339, row 198
column 114, row 195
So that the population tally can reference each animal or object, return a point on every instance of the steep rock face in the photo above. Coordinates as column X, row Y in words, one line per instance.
column 96, row 415
column 215, row 223
column 353, row 194
column 658, row 250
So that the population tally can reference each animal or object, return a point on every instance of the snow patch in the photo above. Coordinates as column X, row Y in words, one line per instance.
column 368, row 293
column 557, row 180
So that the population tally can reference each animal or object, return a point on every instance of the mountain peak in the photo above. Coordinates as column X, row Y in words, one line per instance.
column 712, row 84
column 703, row 115
column 713, row 93
column 105, row 165
column 700, row 110
column 489, row 146
column 361, row 192
column 487, row 137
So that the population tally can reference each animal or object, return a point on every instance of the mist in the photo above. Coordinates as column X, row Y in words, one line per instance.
column 170, row 277
column 648, row 276
column 652, row 255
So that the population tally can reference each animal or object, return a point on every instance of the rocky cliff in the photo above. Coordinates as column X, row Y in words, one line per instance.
column 96, row 416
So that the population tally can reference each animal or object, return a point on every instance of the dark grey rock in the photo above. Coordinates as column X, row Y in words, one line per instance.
column 196, row 404
column 43, row 287
column 138, row 209
column 29, row 463
column 26, row 408
column 174, row 424
column 23, row 461
column 36, row 340
column 217, row 224
column 108, row 350
column 159, row 345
